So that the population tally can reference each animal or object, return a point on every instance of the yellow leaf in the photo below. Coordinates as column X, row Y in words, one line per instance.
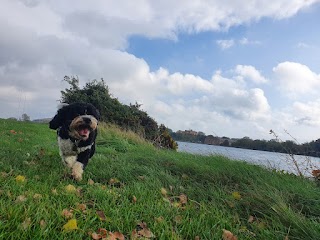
column 70, row 188
column 70, row 225
column 236, row 195
column 163, row 192
column 20, row 178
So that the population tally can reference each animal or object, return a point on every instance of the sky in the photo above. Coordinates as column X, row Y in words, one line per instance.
column 222, row 67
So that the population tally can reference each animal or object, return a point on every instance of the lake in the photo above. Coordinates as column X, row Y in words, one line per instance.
column 271, row 160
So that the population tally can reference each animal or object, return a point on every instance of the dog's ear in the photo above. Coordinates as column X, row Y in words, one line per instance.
column 57, row 120
column 94, row 112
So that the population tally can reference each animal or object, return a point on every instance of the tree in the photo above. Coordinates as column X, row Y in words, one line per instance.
column 25, row 117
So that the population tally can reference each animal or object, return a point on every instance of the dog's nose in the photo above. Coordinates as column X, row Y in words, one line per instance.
column 87, row 120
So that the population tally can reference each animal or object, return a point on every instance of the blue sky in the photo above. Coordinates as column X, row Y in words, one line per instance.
column 221, row 67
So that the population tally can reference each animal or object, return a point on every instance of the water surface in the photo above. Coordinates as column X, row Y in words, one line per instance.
column 273, row 160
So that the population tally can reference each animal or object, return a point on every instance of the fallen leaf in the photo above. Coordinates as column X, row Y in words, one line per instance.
column 90, row 181
column 103, row 232
column 178, row 219
column 142, row 178
column 134, row 199
column 54, row 191
column 26, row 223
column 13, row 131
column 185, row 176
column 159, row 219
column 70, row 188
column 66, row 213
column 116, row 236
column 163, row 192
column 37, row 196
column 20, row 178
column 43, row 224
column 183, row 199
column 101, row 215
column 21, row 199
column 82, row 207
column 227, row 235
column 96, row 236
column 142, row 231
column 236, row 195
column 251, row 219
column 70, row 225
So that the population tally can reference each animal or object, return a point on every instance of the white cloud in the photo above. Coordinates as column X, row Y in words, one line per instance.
column 246, row 41
column 295, row 79
column 307, row 113
column 250, row 73
column 225, row 44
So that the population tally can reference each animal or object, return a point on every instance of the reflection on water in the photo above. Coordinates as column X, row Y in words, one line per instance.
column 279, row 161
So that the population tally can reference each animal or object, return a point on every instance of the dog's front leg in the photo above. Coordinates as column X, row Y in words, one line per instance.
column 80, row 164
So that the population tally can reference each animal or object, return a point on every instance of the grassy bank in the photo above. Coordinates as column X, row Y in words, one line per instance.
column 132, row 188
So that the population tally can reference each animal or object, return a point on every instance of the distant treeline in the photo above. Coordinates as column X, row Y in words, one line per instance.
column 291, row 147
column 309, row 149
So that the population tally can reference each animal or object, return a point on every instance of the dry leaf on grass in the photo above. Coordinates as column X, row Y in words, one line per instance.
column 43, row 224
column 54, row 191
column 21, row 199
column 67, row 213
column 37, row 196
column 104, row 234
column 141, row 231
column 163, row 192
column 183, row 199
column 227, row 235
column 26, row 223
column 82, row 207
column 90, row 181
column 101, row 215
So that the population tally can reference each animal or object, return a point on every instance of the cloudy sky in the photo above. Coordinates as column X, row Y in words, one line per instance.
column 227, row 68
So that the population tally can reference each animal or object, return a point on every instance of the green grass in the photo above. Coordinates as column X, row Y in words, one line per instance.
column 222, row 194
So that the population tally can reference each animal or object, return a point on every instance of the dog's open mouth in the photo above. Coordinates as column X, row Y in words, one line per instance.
column 84, row 131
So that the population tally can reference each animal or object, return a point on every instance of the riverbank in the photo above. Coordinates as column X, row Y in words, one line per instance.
column 132, row 188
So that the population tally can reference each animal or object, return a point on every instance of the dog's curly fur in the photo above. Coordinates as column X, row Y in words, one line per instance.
column 76, row 126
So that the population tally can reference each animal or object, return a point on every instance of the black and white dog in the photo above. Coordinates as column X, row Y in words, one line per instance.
column 76, row 126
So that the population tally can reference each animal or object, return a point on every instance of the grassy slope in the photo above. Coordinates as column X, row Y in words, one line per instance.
column 222, row 194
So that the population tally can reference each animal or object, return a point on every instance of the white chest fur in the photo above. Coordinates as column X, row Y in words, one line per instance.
column 69, row 148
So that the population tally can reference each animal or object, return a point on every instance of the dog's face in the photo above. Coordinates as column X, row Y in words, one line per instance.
column 80, row 119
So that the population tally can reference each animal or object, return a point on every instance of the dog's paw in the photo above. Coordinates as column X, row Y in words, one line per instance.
column 77, row 171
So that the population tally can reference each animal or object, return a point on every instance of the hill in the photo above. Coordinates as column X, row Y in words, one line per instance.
column 134, row 189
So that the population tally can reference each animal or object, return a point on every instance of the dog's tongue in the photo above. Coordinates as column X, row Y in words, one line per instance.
column 84, row 132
